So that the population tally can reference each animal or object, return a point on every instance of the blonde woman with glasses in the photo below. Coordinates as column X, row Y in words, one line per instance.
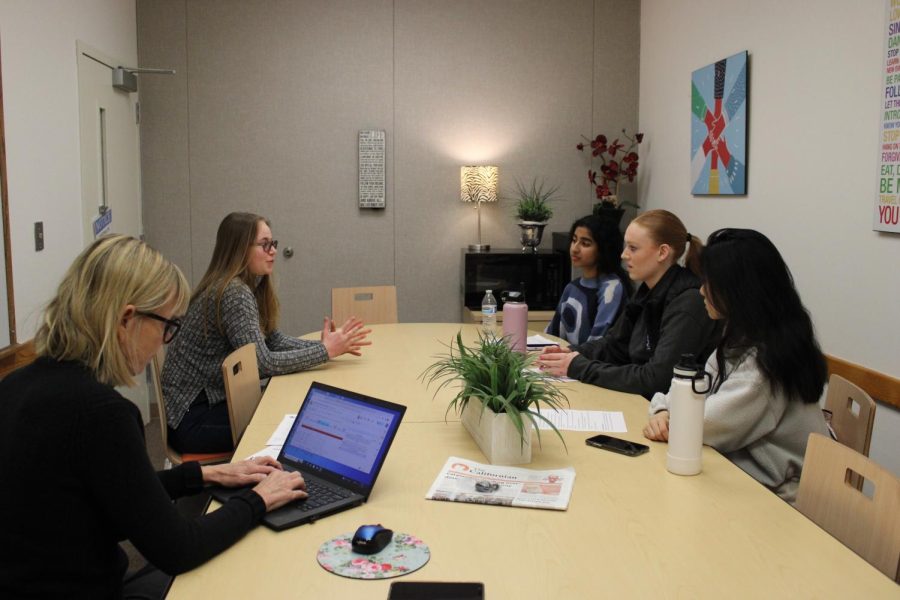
column 76, row 475
column 235, row 304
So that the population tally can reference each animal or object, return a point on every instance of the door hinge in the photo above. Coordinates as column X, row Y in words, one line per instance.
column 137, row 113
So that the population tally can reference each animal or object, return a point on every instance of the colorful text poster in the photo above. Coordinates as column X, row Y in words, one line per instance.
column 887, row 206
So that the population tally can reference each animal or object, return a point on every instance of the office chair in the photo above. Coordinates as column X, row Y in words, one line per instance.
column 373, row 305
column 173, row 457
column 868, row 526
column 242, row 389
column 852, row 430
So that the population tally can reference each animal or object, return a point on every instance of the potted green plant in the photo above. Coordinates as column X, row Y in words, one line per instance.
column 499, row 399
column 533, row 211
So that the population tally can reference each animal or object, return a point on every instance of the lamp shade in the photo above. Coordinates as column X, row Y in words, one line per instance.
column 478, row 184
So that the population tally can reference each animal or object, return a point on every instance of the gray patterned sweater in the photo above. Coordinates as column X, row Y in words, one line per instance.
column 194, row 358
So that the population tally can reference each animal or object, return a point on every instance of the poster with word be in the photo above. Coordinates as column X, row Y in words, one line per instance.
column 887, row 205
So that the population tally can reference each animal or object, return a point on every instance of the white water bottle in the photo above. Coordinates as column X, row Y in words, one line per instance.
column 489, row 314
column 687, row 397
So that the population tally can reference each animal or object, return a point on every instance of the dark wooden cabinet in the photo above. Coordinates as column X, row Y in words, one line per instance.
column 543, row 274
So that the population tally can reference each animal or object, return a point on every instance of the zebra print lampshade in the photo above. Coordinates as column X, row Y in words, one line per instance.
column 478, row 184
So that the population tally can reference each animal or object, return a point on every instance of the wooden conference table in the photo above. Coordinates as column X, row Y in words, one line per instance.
column 631, row 529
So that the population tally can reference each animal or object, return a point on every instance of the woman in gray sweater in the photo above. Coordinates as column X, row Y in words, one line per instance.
column 235, row 304
column 768, row 371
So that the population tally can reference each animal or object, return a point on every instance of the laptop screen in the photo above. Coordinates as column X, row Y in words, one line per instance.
column 345, row 433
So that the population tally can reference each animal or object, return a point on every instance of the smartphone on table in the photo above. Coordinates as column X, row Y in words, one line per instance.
column 613, row 444
column 436, row 590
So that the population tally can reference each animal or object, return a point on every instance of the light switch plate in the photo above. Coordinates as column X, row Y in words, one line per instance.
column 38, row 236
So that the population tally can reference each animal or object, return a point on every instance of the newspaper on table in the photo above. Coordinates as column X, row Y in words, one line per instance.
column 462, row 480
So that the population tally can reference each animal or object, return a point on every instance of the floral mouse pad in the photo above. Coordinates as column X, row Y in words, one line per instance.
column 406, row 553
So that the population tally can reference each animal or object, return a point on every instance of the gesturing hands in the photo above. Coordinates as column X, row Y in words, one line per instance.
column 348, row 339
column 556, row 360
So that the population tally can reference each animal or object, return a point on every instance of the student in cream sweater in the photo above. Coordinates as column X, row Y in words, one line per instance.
column 768, row 371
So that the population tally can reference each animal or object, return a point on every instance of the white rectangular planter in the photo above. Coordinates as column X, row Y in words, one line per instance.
column 496, row 435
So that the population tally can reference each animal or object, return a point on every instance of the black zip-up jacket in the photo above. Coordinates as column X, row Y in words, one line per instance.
column 657, row 326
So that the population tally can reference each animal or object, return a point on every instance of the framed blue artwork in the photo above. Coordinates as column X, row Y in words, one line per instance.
column 719, row 127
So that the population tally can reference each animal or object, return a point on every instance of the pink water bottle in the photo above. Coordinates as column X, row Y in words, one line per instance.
column 515, row 320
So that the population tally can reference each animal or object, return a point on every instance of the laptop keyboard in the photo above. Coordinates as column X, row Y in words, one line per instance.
column 321, row 494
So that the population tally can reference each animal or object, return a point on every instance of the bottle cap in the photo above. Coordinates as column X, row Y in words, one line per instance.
column 687, row 366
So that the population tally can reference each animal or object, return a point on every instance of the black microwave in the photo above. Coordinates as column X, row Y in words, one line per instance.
column 544, row 275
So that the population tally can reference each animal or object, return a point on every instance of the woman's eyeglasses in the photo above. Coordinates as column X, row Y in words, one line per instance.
column 267, row 245
column 172, row 325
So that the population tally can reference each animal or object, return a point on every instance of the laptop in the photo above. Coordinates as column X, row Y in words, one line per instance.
column 338, row 442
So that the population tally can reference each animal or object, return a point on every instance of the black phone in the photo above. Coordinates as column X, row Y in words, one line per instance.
column 436, row 590
column 607, row 442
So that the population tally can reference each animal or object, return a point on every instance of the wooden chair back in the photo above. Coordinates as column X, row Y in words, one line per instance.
column 374, row 304
column 242, row 389
column 852, row 428
column 173, row 456
column 870, row 526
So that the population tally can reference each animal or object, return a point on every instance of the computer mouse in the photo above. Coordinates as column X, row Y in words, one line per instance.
column 370, row 539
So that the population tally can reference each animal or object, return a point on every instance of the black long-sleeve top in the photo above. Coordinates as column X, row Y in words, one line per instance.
column 77, row 480
column 656, row 327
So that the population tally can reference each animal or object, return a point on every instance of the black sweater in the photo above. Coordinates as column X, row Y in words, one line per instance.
column 77, row 479
column 656, row 327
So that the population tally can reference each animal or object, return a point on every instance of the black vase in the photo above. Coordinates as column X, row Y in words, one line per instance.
column 609, row 213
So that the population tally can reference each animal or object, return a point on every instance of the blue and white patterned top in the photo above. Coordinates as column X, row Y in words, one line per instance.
column 587, row 309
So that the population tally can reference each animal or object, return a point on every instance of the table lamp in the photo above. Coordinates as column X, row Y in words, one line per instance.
column 478, row 184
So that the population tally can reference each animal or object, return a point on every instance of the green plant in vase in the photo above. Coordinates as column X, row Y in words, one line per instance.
column 533, row 211
column 496, row 377
column 533, row 202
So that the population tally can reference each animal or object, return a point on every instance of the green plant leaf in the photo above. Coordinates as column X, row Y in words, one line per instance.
column 496, row 376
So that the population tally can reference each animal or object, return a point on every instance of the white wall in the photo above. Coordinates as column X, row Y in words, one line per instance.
column 40, row 96
column 814, row 109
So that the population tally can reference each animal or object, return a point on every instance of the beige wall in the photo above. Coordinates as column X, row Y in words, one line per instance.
column 815, row 95
column 264, row 112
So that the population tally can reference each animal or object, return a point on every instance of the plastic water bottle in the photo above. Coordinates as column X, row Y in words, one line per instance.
column 489, row 314
column 687, row 397
column 515, row 320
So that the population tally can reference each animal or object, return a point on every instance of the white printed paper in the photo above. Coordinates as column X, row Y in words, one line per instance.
column 272, row 451
column 585, row 420
column 281, row 432
column 539, row 341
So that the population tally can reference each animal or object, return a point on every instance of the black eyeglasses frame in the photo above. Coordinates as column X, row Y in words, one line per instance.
column 173, row 326
column 267, row 245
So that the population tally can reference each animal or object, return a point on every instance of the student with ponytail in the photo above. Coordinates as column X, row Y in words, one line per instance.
column 663, row 320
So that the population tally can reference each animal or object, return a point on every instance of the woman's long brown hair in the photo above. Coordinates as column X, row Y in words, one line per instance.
column 235, row 240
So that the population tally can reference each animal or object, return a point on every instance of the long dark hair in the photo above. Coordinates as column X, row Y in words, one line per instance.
column 748, row 283
column 609, row 243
